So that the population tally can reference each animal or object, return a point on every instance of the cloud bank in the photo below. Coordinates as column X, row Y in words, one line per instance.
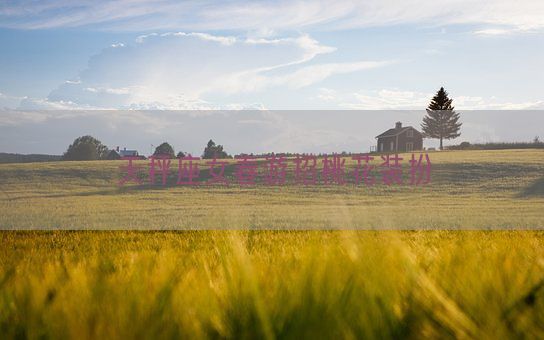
column 179, row 70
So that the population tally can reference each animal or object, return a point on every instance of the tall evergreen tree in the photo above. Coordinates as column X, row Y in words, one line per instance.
column 441, row 121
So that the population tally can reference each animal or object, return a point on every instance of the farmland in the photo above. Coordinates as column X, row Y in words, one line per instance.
column 469, row 189
column 252, row 264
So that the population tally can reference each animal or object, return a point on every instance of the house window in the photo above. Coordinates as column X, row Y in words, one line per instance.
column 409, row 147
column 410, row 133
column 381, row 147
column 392, row 144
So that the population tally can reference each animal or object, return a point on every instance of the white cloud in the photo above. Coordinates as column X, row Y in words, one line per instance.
column 395, row 99
column 494, row 32
column 260, row 79
column 123, row 90
column 9, row 101
column 46, row 104
column 178, row 70
column 315, row 73
column 223, row 40
column 327, row 95
column 386, row 99
column 264, row 17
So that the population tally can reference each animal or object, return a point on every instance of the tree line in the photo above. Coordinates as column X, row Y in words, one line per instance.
column 441, row 122
column 87, row 148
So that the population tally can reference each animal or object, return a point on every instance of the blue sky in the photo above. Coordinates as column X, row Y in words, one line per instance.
column 200, row 55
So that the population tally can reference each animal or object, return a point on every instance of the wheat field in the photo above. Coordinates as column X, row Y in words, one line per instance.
column 266, row 262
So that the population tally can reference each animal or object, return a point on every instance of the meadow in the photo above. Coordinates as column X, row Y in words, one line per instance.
column 270, row 262
column 468, row 189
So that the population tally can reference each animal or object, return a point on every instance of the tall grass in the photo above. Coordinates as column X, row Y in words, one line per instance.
column 249, row 283
column 265, row 284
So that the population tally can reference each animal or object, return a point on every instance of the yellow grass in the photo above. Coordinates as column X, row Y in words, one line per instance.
column 272, row 284
column 237, row 284
column 469, row 189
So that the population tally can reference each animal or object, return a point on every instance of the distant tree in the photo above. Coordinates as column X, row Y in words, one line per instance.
column 441, row 121
column 85, row 148
column 165, row 149
column 180, row 154
column 214, row 151
column 464, row 146
column 536, row 140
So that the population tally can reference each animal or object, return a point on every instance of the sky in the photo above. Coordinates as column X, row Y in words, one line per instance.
column 260, row 55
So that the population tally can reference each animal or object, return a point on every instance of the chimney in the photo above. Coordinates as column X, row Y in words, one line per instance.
column 398, row 125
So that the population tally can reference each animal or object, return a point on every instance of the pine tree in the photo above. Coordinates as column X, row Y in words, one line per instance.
column 441, row 121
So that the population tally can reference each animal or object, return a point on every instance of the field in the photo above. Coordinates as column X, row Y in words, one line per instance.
column 469, row 189
column 368, row 280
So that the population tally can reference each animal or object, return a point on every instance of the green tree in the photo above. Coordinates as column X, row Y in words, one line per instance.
column 214, row 151
column 165, row 149
column 441, row 121
column 85, row 148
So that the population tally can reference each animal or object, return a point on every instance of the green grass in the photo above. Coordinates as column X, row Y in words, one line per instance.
column 288, row 284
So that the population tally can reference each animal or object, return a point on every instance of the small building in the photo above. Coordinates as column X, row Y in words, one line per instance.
column 118, row 154
column 127, row 153
column 400, row 139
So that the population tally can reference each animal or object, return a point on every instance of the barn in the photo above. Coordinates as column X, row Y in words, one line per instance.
column 400, row 139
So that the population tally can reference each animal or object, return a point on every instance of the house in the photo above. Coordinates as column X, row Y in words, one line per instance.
column 400, row 139
column 118, row 154
column 127, row 153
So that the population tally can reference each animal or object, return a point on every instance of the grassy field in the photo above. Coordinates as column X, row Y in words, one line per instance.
column 272, row 284
column 469, row 189
column 251, row 283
